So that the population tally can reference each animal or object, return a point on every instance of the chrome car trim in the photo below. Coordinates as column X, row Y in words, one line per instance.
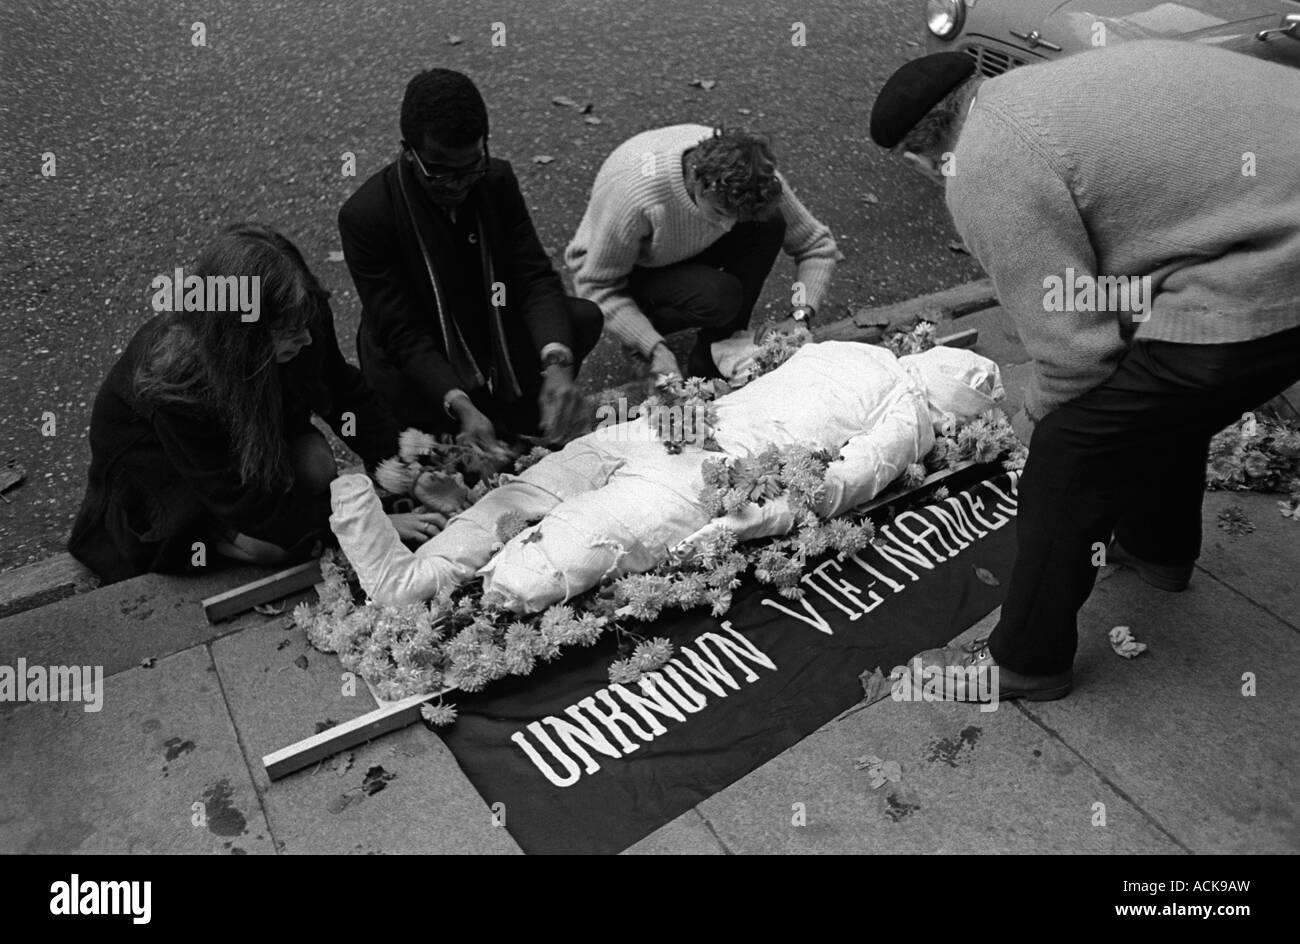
column 1035, row 39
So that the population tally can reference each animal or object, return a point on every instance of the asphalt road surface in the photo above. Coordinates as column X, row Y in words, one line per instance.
column 158, row 142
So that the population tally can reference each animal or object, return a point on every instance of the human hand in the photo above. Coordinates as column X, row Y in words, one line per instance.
column 788, row 327
column 563, row 408
column 477, row 430
column 418, row 526
column 441, row 492
column 662, row 362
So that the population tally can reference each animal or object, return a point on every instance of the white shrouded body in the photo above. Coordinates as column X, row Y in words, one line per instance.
column 615, row 501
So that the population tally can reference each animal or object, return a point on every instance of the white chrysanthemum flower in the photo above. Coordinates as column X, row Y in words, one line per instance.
column 396, row 476
column 438, row 715
column 413, row 443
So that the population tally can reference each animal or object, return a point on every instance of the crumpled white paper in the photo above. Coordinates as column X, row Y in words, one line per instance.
column 1122, row 641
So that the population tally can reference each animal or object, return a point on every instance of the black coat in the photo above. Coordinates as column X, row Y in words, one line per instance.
column 400, row 343
column 162, row 478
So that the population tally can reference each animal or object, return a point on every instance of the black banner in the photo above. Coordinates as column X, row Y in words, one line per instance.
column 574, row 764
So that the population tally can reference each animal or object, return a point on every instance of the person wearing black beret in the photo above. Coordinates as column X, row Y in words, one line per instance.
column 1142, row 230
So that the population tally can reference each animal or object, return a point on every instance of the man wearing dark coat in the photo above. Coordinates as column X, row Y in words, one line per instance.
column 465, row 325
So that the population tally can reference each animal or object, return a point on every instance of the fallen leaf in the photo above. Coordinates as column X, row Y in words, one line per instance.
column 564, row 101
column 986, row 577
column 705, row 84
column 376, row 779
column 542, row 159
column 11, row 476
column 870, row 198
column 880, row 771
column 1233, row 520
column 268, row 609
column 301, row 662
column 454, row 40
column 874, row 685
column 593, row 120
column 958, row 246
column 1122, row 641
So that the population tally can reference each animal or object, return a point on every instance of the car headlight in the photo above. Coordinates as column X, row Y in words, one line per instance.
column 944, row 17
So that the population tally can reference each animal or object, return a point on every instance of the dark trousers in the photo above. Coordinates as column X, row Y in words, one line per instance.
column 523, row 416
column 716, row 290
column 1128, row 458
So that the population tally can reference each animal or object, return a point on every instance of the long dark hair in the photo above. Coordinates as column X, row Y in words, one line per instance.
column 223, row 368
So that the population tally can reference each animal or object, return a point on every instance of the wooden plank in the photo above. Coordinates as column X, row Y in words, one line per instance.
column 950, row 303
column 232, row 602
column 9, row 477
column 966, row 338
column 847, row 329
column 1284, row 407
column 32, row 585
column 870, row 324
column 934, row 480
column 388, row 717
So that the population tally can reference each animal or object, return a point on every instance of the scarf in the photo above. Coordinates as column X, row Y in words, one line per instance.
column 501, row 380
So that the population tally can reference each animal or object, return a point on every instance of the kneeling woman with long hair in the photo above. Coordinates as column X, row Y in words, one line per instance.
column 201, row 437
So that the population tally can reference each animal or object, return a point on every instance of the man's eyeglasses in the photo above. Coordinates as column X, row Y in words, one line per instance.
column 445, row 178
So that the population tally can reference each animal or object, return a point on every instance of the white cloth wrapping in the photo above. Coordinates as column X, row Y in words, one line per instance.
column 391, row 573
column 615, row 501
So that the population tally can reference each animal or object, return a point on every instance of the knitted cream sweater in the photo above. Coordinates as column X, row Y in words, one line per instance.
column 1171, row 160
column 640, row 214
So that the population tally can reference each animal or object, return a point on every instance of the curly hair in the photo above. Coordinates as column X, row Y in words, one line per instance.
column 444, row 105
column 739, row 169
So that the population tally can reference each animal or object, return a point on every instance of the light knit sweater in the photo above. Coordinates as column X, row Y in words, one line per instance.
column 1128, row 161
column 640, row 214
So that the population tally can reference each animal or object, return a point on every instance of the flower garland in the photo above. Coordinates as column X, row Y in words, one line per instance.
column 987, row 438
column 418, row 451
column 777, row 348
column 681, row 411
column 1258, row 455
column 461, row 641
column 920, row 337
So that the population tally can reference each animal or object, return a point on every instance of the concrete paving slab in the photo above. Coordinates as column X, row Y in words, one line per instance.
column 998, row 339
column 971, row 782
column 1173, row 729
column 120, row 625
column 688, row 834
column 157, row 770
column 402, row 793
column 1015, row 379
column 1263, row 565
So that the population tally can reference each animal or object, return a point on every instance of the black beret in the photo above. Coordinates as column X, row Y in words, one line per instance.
column 913, row 90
